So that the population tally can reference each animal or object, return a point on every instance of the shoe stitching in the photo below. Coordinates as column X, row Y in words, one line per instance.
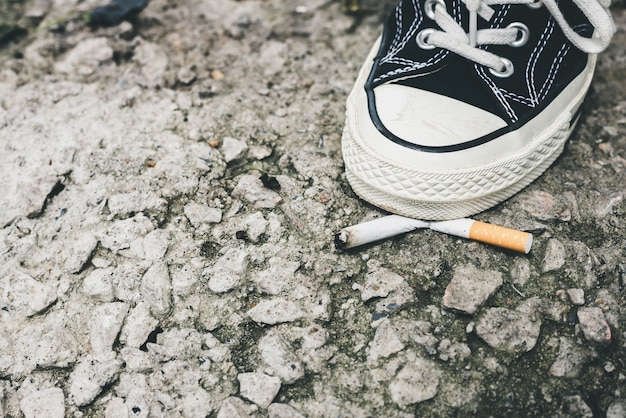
column 552, row 74
column 534, row 58
column 397, row 44
column 498, row 92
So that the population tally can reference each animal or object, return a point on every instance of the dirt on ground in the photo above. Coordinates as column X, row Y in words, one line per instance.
column 170, row 190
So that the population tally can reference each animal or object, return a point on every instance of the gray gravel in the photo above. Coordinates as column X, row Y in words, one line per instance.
column 172, row 186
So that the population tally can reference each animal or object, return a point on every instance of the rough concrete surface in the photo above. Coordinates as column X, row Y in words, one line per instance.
column 170, row 188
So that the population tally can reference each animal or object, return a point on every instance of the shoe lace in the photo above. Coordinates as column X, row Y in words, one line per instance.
column 454, row 38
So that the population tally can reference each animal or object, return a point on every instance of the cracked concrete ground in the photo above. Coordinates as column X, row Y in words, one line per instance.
column 170, row 191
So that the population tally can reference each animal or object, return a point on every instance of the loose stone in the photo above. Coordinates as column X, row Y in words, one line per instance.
column 379, row 282
column 276, row 353
column 258, row 388
column 570, row 359
column 136, row 361
column 99, row 284
column 156, row 287
column 314, row 337
column 544, row 206
column 470, row 288
column 233, row 407
column 85, row 57
column 200, row 215
column 56, row 348
column 155, row 244
column 277, row 277
column 139, row 324
column 49, row 403
column 255, row 226
column 385, row 343
column 282, row 410
column 27, row 295
column 229, row 270
column 617, row 409
column 508, row 330
column 81, row 252
column 121, row 233
column 416, row 382
column 554, row 257
column 251, row 189
column 576, row 296
column 275, row 311
column 594, row 325
column 197, row 404
column 116, row 408
column 153, row 61
column 233, row 149
column 106, row 321
column 91, row 375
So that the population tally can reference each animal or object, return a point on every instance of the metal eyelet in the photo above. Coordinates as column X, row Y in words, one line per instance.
column 422, row 39
column 535, row 4
column 523, row 32
column 507, row 71
column 429, row 7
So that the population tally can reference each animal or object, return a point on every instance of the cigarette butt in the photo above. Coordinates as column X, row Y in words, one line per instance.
column 376, row 230
column 499, row 236
column 502, row 237
column 392, row 225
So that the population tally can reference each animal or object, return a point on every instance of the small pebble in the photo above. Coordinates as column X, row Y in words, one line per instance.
column 379, row 282
column 217, row 75
column 155, row 244
column 27, row 295
column 385, row 343
column 508, row 330
column 233, row 149
column 554, row 257
column 470, row 288
column 49, row 403
column 156, row 287
column 138, row 325
column 90, row 376
column 594, row 325
column 106, row 321
column 282, row 410
column 199, row 214
column 258, row 388
column 570, row 359
column 279, row 357
column 250, row 188
column 576, row 296
column 86, row 57
column 228, row 271
column 416, row 382
column 255, row 226
column 275, row 311
column 233, row 407
column 197, row 403
column 187, row 75
column 80, row 253
column 544, row 206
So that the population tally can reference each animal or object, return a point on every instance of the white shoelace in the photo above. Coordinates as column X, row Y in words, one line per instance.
column 453, row 37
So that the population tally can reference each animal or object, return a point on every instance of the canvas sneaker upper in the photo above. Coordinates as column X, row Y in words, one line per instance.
column 500, row 62
column 463, row 103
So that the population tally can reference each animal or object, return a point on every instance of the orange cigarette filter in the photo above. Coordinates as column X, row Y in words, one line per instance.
column 500, row 236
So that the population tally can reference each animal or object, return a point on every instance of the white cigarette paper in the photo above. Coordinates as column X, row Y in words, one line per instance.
column 376, row 230
column 392, row 225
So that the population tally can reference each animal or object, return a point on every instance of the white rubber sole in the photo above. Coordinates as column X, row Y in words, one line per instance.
column 397, row 180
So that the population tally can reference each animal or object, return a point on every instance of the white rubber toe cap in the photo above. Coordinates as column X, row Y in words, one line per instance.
column 424, row 118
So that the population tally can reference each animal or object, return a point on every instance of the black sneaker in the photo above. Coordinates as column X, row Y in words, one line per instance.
column 462, row 104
